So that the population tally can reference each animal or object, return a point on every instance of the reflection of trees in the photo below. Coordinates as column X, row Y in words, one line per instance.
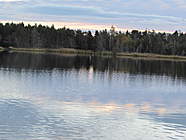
column 102, row 64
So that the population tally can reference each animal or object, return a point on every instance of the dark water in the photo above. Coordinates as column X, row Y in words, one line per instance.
column 55, row 97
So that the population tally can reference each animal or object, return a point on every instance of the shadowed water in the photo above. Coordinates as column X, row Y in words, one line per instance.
column 55, row 97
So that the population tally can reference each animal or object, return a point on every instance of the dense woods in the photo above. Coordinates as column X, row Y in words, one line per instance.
column 38, row 36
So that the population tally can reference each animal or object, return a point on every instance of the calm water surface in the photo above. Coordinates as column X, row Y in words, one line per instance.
column 55, row 97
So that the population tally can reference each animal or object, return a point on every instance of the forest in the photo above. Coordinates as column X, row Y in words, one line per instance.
column 38, row 36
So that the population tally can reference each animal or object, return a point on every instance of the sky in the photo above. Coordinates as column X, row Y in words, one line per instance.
column 159, row 15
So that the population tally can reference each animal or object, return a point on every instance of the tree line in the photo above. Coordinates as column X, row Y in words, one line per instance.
column 38, row 36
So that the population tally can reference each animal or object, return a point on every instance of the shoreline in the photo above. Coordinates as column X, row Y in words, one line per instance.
column 89, row 52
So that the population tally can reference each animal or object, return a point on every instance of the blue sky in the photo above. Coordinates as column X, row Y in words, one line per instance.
column 161, row 15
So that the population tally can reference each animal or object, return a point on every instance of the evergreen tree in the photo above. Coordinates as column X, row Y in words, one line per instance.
column 38, row 36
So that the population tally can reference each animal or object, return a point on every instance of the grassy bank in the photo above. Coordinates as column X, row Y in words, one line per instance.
column 1, row 49
column 150, row 55
column 103, row 53
column 62, row 50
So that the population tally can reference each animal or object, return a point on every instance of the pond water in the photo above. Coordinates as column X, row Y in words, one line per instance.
column 59, row 97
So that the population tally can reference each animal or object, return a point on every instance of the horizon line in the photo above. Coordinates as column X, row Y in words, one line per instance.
column 80, row 26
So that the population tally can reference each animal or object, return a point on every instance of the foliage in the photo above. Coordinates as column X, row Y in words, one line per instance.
column 38, row 36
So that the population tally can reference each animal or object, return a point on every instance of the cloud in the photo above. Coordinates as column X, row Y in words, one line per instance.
column 67, row 10
column 151, row 14
column 11, row 0
column 94, row 14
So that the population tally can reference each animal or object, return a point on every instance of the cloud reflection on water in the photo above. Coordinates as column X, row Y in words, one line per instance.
column 51, row 119
column 68, row 100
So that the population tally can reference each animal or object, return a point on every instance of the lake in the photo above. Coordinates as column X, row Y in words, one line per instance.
column 62, row 97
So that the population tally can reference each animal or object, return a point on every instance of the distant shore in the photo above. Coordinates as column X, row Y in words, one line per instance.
column 89, row 52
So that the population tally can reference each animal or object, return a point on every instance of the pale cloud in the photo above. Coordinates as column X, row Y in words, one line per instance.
column 152, row 14
column 11, row 0
column 180, row 3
